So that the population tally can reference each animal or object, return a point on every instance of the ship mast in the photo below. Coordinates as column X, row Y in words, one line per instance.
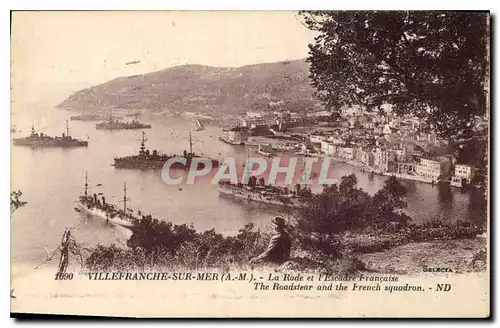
column 143, row 143
column 67, row 129
column 86, row 184
column 125, row 198
column 190, row 143
column 32, row 129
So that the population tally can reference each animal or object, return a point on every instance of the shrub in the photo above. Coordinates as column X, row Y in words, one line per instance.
column 157, row 243
column 347, row 208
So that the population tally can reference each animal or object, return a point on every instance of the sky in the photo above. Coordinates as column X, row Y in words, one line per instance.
column 56, row 53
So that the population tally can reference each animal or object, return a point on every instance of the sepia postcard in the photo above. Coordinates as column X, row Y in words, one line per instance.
column 250, row 164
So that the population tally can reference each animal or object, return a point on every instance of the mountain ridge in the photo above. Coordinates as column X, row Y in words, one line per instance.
column 201, row 88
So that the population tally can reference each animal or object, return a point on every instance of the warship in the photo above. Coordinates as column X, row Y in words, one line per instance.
column 260, row 192
column 147, row 159
column 91, row 117
column 114, row 124
column 95, row 206
column 42, row 140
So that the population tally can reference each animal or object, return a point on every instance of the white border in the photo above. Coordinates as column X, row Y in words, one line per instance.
column 171, row 5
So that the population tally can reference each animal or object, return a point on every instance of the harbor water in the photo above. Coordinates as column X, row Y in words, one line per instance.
column 52, row 179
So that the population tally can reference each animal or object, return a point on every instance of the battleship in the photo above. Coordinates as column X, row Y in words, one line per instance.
column 41, row 140
column 266, row 194
column 114, row 124
column 91, row 117
column 95, row 206
column 147, row 159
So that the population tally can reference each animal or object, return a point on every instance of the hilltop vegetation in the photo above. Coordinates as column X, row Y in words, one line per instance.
column 203, row 89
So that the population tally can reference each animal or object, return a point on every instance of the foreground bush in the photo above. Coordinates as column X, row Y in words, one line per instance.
column 157, row 243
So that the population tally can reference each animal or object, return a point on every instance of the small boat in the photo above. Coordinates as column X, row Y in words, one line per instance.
column 266, row 150
column 198, row 126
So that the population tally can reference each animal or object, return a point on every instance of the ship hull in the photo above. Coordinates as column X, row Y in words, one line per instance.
column 89, row 118
column 233, row 143
column 265, row 153
column 100, row 214
column 49, row 143
column 256, row 197
column 135, row 127
column 152, row 164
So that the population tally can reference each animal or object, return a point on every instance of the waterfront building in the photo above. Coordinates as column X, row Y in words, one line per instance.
column 317, row 138
column 237, row 135
column 359, row 154
column 367, row 158
column 332, row 150
column 463, row 173
column 434, row 169
column 336, row 140
column 407, row 168
column 324, row 146
column 384, row 159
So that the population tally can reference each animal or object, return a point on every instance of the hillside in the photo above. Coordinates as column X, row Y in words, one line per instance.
column 202, row 89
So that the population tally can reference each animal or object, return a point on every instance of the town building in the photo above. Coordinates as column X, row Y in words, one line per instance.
column 401, row 154
column 238, row 135
column 384, row 159
column 387, row 129
column 433, row 169
column 367, row 158
column 463, row 173
column 324, row 146
column 346, row 152
column 369, row 125
column 336, row 140
column 254, row 114
column 317, row 138
column 332, row 150
column 359, row 154
column 318, row 113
